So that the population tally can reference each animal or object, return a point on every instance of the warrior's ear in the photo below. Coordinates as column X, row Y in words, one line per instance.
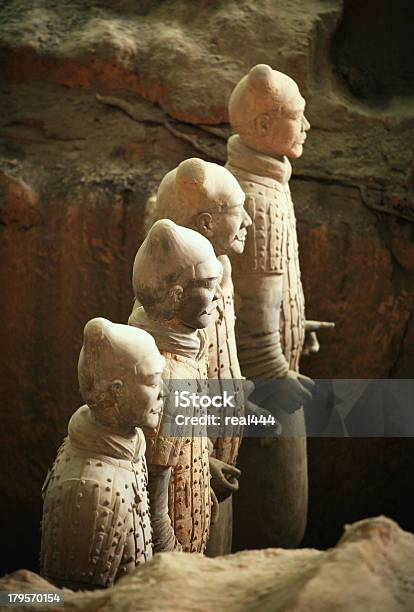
column 116, row 387
column 174, row 296
column 204, row 224
column 262, row 123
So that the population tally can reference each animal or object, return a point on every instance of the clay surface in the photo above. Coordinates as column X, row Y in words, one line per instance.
column 207, row 198
column 176, row 279
column 75, row 174
column 369, row 569
column 267, row 113
column 96, row 523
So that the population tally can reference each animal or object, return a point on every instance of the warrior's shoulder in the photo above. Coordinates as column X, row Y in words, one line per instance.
column 260, row 191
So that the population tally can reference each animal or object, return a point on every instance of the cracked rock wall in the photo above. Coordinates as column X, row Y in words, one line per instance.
column 76, row 170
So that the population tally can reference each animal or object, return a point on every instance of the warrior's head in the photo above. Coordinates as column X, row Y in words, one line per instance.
column 176, row 276
column 266, row 109
column 119, row 372
column 207, row 198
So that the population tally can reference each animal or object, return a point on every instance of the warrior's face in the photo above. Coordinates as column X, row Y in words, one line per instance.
column 197, row 303
column 141, row 398
column 283, row 131
column 229, row 228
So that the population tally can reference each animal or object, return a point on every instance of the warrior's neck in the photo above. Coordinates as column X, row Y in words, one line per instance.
column 171, row 336
column 252, row 161
column 88, row 434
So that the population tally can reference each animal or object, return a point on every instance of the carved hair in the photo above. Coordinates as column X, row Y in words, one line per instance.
column 109, row 352
column 170, row 255
column 194, row 187
column 263, row 90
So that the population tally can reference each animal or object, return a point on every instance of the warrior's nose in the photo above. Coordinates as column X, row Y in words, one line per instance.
column 218, row 292
column 246, row 219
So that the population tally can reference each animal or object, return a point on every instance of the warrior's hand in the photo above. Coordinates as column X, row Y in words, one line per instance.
column 289, row 393
column 224, row 478
column 311, row 344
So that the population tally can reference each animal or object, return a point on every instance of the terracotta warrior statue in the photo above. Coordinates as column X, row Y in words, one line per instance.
column 266, row 111
column 207, row 198
column 176, row 279
column 96, row 523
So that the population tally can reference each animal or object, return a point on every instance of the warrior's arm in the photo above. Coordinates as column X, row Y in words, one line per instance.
column 163, row 536
column 259, row 298
column 259, row 344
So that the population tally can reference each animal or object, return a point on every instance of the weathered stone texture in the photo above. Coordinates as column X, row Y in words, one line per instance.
column 369, row 569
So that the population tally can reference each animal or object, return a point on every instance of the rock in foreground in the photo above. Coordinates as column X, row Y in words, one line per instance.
column 369, row 569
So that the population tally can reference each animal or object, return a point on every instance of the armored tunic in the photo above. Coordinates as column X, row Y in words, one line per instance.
column 187, row 453
column 96, row 524
column 223, row 365
column 271, row 248
column 268, row 349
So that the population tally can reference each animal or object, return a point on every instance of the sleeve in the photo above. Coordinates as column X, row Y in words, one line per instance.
column 163, row 536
